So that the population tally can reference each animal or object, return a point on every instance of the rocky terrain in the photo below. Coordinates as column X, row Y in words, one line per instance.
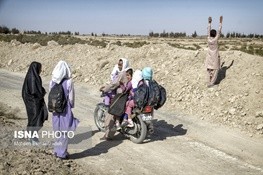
column 236, row 101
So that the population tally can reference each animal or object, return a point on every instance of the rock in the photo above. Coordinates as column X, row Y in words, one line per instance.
column 180, row 99
column 249, row 123
column 38, row 173
column 36, row 45
column 86, row 80
column 196, row 53
column 52, row 43
column 103, row 64
column 259, row 114
column 232, row 111
column 10, row 62
column 243, row 114
column 260, row 126
column 15, row 42
column 232, row 99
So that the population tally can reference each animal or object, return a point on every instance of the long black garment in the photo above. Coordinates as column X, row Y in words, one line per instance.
column 33, row 95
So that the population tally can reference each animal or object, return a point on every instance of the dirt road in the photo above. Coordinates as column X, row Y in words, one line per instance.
column 180, row 145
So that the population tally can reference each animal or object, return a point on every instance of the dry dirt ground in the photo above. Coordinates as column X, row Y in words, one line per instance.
column 198, row 131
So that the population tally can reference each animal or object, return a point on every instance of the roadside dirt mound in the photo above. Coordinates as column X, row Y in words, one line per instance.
column 236, row 101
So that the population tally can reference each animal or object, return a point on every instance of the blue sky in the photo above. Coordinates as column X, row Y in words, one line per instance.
column 132, row 16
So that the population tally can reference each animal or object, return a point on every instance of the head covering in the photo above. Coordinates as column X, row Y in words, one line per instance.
column 125, row 63
column 33, row 82
column 127, row 69
column 136, row 78
column 60, row 72
column 147, row 73
column 33, row 95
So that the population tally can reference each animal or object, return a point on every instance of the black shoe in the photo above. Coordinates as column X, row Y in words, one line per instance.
column 64, row 158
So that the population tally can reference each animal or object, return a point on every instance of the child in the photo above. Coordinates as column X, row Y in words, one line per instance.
column 135, row 80
column 128, row 89
column 64, row 121
column 212, row 61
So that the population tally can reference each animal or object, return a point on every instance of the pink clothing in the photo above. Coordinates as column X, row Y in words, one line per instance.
column 130, row 103
column 129, row 107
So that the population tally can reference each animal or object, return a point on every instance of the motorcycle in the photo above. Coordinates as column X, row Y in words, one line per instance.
column 142, row 122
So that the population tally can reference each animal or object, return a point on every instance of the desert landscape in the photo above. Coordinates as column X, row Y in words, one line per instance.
column 235, row 103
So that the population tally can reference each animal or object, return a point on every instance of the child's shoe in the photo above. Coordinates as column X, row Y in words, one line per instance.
column 130, row 123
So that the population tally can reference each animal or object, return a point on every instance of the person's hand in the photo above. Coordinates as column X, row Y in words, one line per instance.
column 209, row 19
column 221, row 19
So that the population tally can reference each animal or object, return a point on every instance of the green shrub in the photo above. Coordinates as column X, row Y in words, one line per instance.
column 43, row 39
column 197, row 46
column 135, row 44
column 118, row 43
column 259, row 51
column 97, row 43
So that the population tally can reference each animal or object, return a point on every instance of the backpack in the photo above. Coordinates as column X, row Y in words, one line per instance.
column 118, row 104
column 56, row 99
column 154, row 93
column 162, row 99
column 141, row 96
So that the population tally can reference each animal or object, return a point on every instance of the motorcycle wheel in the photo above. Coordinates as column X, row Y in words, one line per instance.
column 140, row 135
column 99, row 116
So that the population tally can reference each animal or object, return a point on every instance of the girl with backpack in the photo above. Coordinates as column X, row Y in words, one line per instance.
column 64, row 121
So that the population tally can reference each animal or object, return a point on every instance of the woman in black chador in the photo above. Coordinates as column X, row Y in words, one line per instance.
column 33, row 95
